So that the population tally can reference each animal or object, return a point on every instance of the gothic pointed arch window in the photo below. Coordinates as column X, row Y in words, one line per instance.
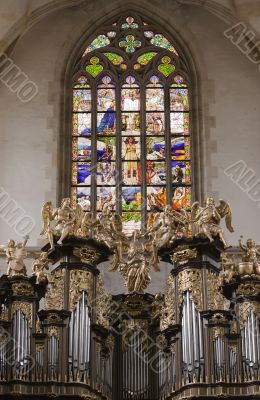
column 131, row 124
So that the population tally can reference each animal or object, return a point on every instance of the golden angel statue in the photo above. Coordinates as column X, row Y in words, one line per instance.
column 250, row 261
column 15, row 255
column 207, row 219
column 62, row 221
column 136, row 269
column 38, row 267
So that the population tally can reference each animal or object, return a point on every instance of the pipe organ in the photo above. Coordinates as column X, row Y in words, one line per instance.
column 64, row 336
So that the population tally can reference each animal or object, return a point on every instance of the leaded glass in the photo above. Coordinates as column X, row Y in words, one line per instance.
column 131, row 146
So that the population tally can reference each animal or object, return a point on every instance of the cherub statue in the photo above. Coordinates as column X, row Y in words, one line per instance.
column 228, row 268
column 166, row 228
column 110, row 232
column 15, row 255
column 251, row 253
column 67, row 220
column 207, row 219
column 38, row 267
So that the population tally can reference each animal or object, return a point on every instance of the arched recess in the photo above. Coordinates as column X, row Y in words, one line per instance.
column 189, row 72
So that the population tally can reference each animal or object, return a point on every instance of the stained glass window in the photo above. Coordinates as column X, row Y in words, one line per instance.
column 131, row 146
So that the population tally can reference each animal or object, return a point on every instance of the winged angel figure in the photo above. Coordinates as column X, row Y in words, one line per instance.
column 63, row 221
column 207, row 219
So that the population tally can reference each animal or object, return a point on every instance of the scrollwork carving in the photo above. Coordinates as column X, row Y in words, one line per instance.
column 168, row 314
column 54, row 298
column 25, row 308
column 80, row 281
column 191, row 280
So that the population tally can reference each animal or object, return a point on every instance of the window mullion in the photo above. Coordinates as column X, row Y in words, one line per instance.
column 94, row 151
column 119, row 176
column 168, row 146
column 143, row 156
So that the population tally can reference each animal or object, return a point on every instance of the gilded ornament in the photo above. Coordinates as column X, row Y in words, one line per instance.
column 216, row 300
column 25, row 308
column 168, row 314
column 54, row 298
column 183, row 254
column 245, row 310
column 15, row 256
column 86, row 255
column 39, row 266
column 53, row 331
column 80, row 281
column 103, row 304
column 207, row 219
column 191, row 280
column 22, row 289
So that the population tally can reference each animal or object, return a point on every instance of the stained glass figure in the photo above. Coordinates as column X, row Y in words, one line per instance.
column 154, row 99
column 181, row 198
column 106, row 198
column 179, row 100
column 106, row 149
column 155, row 123
column 181, row 172
column 131, row 172
column 130, row 99
column 130, row 123
column 155, row 173
column 106, row 123
column 156, row 198
column 106, row 99
column 82, row 195
column 106, row 173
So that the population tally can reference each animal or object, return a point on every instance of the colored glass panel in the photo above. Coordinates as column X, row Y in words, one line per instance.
column 155, row 123
column 181, row 172
column 180, row 148
column 155, row 173
column 131, row 221
column 106, row 198
column 106, row 123
column 114, row 58
column 179, row 100
column 81, row 124
column 81, row 100
column 81, row 149
column 106, row 173
column 131, row 173
column 131, row 150
column 179, row 123
column 130, row 123
column 154, row 99
column 145, row 58
column 99, row 42
column 106, row 149
column 156, row 198
column 106, row 99
column 181, row 198
column 155, row 148
column 82, row 195
column 130, row 99
column 131, row 198
column 81, row 173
